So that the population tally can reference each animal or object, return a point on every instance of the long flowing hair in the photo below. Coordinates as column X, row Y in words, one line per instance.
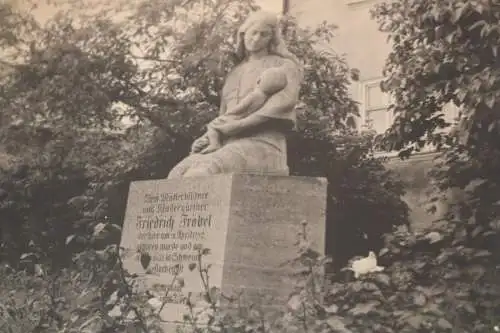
column 277, row 44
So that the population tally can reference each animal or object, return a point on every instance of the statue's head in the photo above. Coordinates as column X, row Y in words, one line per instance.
column 261, row 29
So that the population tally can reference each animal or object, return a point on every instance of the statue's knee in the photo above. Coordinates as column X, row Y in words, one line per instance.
column 175, row 173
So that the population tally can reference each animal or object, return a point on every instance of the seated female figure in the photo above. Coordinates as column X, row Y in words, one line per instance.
column 255, row 143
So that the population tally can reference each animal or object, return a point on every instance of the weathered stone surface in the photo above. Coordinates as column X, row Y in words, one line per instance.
column 250, row 223
column 249, row 146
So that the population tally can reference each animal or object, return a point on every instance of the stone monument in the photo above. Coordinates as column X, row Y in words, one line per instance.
column 233, row 193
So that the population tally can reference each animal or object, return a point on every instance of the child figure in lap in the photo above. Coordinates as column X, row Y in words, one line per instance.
column 269, row 83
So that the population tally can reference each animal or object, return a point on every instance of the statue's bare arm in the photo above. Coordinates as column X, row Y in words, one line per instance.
column 276, row 107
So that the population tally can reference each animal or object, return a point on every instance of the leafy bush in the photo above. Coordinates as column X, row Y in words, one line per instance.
column 80, row 75
column 93, row 295
column 445, row 53
column 442, row 280
column 364, row 198
column 432, row 282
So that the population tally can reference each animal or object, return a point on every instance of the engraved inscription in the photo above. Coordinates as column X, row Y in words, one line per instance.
column 171, row 228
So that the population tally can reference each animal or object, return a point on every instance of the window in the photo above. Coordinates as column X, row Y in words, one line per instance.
column 374, row 104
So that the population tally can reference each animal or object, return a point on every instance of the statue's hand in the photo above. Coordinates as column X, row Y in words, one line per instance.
column 228, row 128
column 217, row 122
column 212, row 146
column 199, row 144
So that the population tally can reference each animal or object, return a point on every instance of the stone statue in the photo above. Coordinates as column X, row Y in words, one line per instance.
column 257, row 108
column 270, row 82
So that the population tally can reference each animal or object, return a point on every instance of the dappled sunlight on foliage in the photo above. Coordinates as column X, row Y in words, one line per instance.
column 72, row 81
column 446, row 52
column 66, row 89
column 431, row 281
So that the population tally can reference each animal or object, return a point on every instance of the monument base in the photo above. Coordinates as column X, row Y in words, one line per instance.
column 249, row 223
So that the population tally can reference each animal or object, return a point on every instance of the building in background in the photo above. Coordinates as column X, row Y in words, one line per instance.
column 366, row 48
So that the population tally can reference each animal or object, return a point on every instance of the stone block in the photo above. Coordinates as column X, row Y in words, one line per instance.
column 250, row 223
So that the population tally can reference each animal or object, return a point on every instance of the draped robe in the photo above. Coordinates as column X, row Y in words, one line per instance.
column 259, row 150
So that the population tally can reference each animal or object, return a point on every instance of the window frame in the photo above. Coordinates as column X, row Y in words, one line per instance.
column 365, row 85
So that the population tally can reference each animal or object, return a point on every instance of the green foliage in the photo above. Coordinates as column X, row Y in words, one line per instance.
column 445, row 52
column 443, row 280
column 432, row 282
column 68, row 84
column 364, row 198
column 93, row 295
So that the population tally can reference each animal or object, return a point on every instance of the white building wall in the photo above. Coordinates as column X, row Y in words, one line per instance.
column 365, row 48
column 357, row 36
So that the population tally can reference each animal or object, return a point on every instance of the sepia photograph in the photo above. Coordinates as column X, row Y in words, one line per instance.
column 249, row 166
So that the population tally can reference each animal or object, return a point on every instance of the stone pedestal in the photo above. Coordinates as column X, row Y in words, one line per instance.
column 250, row 223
